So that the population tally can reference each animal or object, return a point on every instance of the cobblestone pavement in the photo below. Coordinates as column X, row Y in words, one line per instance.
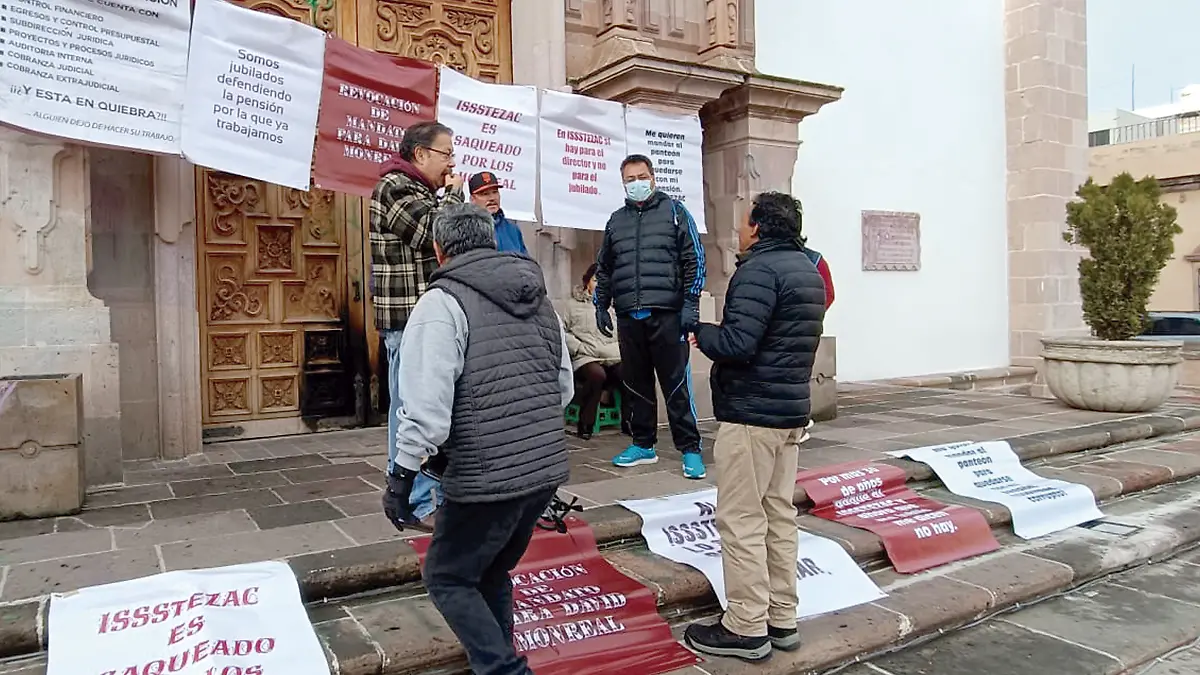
column 1143, row 622
column 276, row 498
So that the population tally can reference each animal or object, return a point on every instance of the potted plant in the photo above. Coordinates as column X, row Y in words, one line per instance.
column 1129, row 235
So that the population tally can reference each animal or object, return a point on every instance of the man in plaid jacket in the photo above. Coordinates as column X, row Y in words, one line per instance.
column 403, row 207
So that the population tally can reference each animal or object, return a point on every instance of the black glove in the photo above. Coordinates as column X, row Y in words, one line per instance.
column 435, row 468
column 689, row 318
column 604, row 322
column 396, row 497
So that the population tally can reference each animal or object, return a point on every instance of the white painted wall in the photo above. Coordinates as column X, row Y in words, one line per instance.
column 921, row 127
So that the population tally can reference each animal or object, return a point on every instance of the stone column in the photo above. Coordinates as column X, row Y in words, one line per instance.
column 49, row 322
column 1046, row 111
column 178, row 324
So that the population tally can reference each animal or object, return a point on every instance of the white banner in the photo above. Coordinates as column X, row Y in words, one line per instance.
column 238, row 620
column 992, row 472
column 495, row 129
column 110, row 73
column 683, row 528
column 253, row 89
column 672, row 142
column 582, row 145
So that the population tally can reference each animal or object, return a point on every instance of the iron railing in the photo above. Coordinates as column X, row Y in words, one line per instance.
column 1166, row 126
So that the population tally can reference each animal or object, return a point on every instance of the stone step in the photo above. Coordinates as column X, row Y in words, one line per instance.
column 388, row 617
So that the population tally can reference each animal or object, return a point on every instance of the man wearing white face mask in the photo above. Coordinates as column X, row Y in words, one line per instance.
column 650, row 269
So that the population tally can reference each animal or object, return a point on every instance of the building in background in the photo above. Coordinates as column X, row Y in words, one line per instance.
column 1122, row 126
column 198, row 304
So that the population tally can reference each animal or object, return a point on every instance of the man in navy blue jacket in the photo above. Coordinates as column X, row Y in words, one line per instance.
column 485, row 192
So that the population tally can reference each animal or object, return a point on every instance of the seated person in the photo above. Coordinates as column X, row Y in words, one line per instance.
column 595, row 358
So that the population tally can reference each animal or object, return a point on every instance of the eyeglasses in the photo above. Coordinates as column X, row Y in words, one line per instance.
column 448, row 154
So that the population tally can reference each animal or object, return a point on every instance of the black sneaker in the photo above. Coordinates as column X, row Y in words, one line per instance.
column 787, row 640
column 718, row 640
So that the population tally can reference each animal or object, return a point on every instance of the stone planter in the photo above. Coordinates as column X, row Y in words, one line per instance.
column 1111, row 376
column 41, row 449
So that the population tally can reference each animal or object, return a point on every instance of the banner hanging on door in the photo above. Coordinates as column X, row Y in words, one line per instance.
column 683, row 528
column 582, row 145
column 96, row 72
column 672, row 142
column 992, row 472
column 495, row 129
column 237, row 620
column 368, row 99
column 253, row 88
column 575, row 614
column 917, row 533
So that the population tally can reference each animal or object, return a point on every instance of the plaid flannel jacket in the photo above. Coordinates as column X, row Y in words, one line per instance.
column 402, row 257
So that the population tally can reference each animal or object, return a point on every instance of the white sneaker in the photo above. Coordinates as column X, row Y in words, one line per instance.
column 804, row 435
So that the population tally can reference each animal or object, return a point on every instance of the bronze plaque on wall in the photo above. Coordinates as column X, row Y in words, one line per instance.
column 891, row 241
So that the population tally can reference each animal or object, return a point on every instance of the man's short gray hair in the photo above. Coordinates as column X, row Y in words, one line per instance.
column 459, row 228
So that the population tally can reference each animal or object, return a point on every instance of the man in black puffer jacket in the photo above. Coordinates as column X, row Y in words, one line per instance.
column 651, row 270
column 762, row 355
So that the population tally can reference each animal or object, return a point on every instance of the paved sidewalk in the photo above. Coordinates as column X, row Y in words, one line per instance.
column 270, row 499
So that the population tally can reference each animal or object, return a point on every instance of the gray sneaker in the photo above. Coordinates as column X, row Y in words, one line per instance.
column 787, row 640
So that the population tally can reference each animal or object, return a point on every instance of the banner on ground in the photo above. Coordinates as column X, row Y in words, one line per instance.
column 917, row 533
column 575, row 614
column 495, row 129
column 368, row 99
column 97, row 72
column 992, row 472
column 672, row 142
column 253, row 88
column 683, row 528
column 582, row 145
column 243, row 619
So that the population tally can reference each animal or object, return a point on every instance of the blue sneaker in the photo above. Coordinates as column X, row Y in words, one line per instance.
column 635, row 455
column 693, row 466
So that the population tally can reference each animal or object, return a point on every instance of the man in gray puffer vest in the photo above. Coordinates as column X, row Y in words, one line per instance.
column 486, row 374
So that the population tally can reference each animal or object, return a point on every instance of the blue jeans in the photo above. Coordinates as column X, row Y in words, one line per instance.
column 427, row 491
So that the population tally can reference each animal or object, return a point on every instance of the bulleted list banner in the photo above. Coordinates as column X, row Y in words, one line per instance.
column 918, row 533
column 575, row 614
column 109, row 73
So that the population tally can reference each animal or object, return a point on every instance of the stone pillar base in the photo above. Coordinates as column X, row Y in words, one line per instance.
column 823, row 387
column 41, row 458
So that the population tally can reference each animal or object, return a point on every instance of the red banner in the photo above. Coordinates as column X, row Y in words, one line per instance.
column 367, row 101
column 917, row 533
column 575, row 614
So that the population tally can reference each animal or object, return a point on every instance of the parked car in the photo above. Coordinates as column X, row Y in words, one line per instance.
column 1181, row 326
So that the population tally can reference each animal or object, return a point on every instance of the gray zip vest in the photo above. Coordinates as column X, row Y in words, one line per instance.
column 506, row 435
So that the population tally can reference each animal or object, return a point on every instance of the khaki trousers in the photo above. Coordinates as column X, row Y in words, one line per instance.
column 756, row 478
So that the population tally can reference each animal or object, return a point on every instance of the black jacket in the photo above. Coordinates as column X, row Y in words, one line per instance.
column 764, row 349
column 506, row 439
column 651, row 257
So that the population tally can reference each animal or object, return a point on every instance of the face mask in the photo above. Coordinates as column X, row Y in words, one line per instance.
column 638, row 190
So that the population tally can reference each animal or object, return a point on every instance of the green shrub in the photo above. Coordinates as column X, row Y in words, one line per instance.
column 1130, row 236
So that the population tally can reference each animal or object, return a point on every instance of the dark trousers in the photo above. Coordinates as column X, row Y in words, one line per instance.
column 591, row 381
column 474, row 548
column 655, row 346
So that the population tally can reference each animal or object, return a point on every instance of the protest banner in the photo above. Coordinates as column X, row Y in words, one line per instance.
column 672, row 142
column 575, row 614
column 253, row 88
column 918, row 533
column 368, row 99
column 683, row 528
column 237, row 620
column 992, row 472
column 582, row 145
column 98, row 72
column 495, row 129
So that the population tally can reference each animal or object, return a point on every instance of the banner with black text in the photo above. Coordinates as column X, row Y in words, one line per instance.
column 672, row 143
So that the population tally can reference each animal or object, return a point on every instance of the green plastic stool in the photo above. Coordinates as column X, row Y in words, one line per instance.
column 606, row 416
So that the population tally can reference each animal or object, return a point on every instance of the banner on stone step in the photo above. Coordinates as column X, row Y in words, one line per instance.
column 575, row 614
column 992, row 472
column 918, row 533
column 682, row 528
column 109, row 73
column 368, row 99
column 237, row 620
column 253, row 89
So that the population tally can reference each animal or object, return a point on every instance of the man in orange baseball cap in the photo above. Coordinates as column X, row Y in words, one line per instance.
column 485, row 192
